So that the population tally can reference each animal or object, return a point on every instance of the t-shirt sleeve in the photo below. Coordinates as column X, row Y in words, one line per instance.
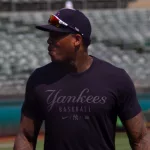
column 31, row 107
column 128, row 105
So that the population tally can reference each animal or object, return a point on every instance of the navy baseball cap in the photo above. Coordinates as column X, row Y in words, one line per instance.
column 74, row 21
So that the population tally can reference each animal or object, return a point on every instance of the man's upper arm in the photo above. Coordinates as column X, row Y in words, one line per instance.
column 131, row 115
column 137, row 132
column 30, row 127
column 28, row 132
column 136, row 127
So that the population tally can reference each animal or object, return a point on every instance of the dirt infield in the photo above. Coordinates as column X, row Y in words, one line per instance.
column 6, row 139
column 12, row 138
column 140, row 4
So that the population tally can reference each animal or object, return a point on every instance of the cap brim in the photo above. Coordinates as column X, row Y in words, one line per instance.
column 49, row 28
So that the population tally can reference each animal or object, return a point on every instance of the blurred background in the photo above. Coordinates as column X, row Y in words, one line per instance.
column 120, row 35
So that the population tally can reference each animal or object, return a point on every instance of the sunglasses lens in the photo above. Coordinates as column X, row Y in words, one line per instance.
column 54, row 21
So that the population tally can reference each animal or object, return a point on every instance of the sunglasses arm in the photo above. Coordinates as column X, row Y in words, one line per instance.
column 63, row 23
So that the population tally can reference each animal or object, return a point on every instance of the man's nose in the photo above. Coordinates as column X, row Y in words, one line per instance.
column 49, row 41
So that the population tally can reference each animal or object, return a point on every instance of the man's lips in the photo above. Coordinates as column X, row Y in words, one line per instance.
column 50, row 48
column 51, row 51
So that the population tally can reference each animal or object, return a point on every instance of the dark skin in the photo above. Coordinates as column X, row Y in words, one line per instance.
column 69, row 48
column 26, row 138
column 139, row 137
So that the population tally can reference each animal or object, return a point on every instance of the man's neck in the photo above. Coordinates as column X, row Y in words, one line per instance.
column 81, row 63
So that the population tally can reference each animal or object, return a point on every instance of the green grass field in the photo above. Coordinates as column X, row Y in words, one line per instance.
column 121, row 143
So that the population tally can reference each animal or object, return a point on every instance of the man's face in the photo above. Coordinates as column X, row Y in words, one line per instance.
column 61, row 46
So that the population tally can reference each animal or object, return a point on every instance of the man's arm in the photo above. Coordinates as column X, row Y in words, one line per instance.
column 138, row 134
column 27, row 137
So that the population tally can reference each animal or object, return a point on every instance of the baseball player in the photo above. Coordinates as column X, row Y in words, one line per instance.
column 77, row 95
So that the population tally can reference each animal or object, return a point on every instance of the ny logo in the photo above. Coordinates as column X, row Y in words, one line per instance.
column 75, row 117
column 58, row 13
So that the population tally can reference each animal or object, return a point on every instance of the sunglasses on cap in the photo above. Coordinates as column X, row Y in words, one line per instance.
column 55, row 21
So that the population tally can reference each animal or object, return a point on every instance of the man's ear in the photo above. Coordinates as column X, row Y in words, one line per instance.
column 78, row 40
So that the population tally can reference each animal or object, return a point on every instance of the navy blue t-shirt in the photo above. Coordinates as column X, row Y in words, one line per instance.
column 80, row 109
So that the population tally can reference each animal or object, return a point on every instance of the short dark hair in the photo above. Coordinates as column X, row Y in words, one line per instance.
column 86, row 42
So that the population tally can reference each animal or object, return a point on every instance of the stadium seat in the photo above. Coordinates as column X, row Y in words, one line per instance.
column 116, row 36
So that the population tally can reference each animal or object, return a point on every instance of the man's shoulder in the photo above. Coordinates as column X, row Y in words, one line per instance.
column 40, row 72
column 48, row 73
column 108, row 68
column 46, row 69
column 114, row 74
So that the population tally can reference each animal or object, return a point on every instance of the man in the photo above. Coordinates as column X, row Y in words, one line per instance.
column 77, row 95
